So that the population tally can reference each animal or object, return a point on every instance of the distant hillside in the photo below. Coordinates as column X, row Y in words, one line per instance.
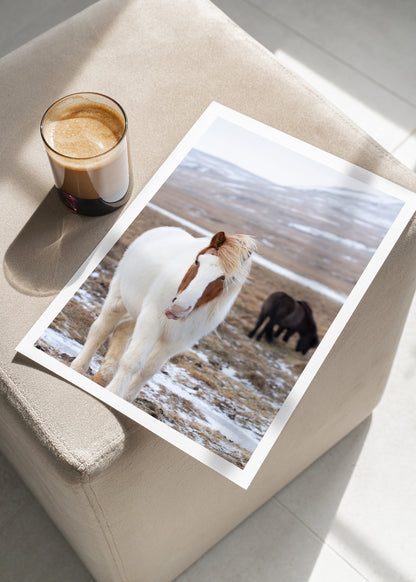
column 325, row 234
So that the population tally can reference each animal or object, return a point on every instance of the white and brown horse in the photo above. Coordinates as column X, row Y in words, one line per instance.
column 169, row 290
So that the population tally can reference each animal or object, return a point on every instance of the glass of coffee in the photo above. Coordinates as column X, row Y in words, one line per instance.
column 85, row 135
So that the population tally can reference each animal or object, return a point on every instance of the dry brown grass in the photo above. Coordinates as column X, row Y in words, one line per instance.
column 252, row 397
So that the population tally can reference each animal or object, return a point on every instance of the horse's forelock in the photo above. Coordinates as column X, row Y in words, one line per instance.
column 233, row 253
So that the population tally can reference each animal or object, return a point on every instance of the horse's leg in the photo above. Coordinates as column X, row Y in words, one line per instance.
column 159, row 355
column 118, row 343
column 268, row 330
column 256, row 327
column 288, row 334
column 145, row 335
column 261, row 332
column 278, row 331
column 112, row 311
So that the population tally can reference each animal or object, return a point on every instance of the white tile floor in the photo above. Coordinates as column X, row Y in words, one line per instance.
column 352, row 515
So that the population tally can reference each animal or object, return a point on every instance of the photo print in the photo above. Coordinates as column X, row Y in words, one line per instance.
column 201, row 311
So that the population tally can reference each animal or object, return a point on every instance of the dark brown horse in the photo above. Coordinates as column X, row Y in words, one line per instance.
column 290, row 316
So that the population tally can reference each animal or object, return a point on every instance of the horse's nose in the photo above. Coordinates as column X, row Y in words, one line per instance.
column 174, row 299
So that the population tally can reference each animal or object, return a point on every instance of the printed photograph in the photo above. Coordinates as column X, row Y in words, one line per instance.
column 210, row 305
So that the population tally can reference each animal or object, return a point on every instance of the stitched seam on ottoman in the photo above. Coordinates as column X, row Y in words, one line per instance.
column 105, row 528
column 45, row 436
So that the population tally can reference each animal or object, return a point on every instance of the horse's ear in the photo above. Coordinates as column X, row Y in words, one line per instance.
column 218, row 240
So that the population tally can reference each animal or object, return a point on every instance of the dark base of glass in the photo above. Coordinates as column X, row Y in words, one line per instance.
column 90, row 206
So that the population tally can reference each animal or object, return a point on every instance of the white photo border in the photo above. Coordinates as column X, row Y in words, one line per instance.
column 241, row 477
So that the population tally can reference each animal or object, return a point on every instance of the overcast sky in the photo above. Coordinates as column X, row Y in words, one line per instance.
column 269, row 159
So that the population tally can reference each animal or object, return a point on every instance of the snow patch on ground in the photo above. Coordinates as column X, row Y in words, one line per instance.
column 177, row 381
column 66, row 345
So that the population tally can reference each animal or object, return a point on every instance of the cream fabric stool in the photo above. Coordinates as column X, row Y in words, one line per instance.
column 134, row 507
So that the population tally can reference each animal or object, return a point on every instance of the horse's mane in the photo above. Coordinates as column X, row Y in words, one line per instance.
column 233, row 254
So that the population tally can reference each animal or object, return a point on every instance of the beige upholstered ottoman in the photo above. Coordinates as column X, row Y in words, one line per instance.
column 134, row 507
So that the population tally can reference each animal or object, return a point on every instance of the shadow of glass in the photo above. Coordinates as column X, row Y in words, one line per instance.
column 52, row 245
column 54, row 242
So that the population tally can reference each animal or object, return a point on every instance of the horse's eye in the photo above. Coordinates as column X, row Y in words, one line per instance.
column 196, row 262
column 222, row 277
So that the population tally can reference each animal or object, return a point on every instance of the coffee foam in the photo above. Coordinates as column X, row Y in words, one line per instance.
column 83, row 130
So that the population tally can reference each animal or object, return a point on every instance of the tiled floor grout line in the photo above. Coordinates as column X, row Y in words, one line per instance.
column 404, row 140
column 330, row 54
column 321, row 540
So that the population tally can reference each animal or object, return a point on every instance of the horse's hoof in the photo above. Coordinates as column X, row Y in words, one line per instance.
column 74, row 365
column 99, row 379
